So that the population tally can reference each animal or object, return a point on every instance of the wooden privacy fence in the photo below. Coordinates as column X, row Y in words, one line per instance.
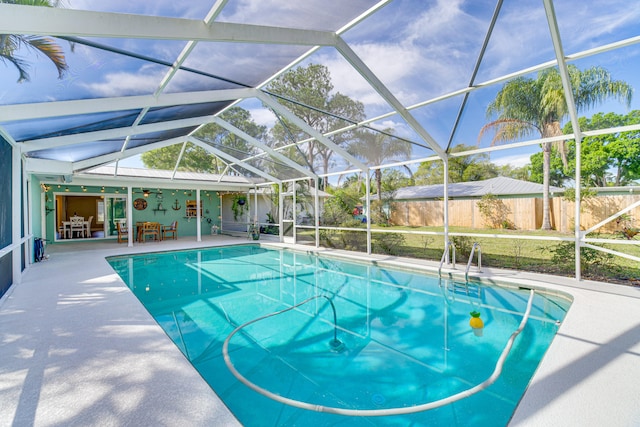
column 523, row 213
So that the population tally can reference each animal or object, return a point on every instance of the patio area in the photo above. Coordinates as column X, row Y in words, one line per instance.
column 79, row 349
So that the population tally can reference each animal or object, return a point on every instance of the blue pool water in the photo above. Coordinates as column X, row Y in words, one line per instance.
column 406, row 336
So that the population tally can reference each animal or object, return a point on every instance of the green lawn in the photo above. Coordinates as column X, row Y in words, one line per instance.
column 543, row 256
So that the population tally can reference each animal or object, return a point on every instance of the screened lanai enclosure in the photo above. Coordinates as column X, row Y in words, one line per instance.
column 304, row 120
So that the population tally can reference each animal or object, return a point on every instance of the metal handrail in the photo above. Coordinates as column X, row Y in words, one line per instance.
column 473, row 249
column 445, row 256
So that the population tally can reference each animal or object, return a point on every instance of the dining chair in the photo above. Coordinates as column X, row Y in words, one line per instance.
column 123, row 232
column 77, row 225
column 62, row 231
column 170, row 229
column 88, row 224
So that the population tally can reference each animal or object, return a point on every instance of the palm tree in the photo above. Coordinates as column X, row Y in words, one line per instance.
column 526, row 106
column 10, row 44
column 375, row 148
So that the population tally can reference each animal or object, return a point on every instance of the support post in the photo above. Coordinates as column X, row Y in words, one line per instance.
column 294, row 213
column 198, row 217
column 316, row 219
column 16, row 214
column 220, row 210
column 281, row 213
column 446, row 199
column 28, row 220
column 130, row 236
column 367, row 199
column 255, row 207
column 577, row 231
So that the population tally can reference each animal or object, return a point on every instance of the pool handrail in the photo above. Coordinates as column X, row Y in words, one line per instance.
column 445, row 256
column 376, row 412
column 473, row 249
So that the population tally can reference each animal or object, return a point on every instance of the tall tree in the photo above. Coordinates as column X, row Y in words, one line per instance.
column 376, row 148
column 308, row 93
column 525, row 107
column 474, row 167
column 196, row 159
column 617, row 152
column 11, row 44
column 557, row 171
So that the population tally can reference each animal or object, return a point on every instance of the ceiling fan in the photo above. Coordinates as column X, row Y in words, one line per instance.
column 145, row 192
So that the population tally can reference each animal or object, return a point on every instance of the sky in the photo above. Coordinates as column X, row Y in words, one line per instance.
column 419, row 49
column 433, row 49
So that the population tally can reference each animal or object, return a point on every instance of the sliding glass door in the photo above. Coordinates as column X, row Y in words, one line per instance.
column 116, row 211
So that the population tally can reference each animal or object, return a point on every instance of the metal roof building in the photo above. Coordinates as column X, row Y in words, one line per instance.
column 499, row 186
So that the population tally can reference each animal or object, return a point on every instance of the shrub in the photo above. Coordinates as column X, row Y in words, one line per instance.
column 585, row 193
column 494, row 212
column 518, row 247
column 463, row 246
column 388, row 243
column 591, row 260
column 426, row 241
column 335, row 212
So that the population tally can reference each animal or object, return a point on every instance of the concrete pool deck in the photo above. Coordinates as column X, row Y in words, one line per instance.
column 78, row 348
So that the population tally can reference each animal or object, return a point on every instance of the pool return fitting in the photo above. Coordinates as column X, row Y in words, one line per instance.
column 373, row 412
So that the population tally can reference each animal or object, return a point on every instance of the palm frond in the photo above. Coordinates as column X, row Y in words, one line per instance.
column 508, row 130
column 595, row 85
column 20, row 65
column 51, row 50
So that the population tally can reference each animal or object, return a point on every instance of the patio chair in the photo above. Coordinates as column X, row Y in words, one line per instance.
column 170, row 229
column 123, row 232
column 150, row 229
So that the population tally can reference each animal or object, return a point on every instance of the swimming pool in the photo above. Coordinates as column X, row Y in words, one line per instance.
column 405, row 337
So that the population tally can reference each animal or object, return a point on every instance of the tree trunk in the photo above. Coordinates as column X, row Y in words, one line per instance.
column 325, row 167
column 552, row 128
column 546, row 172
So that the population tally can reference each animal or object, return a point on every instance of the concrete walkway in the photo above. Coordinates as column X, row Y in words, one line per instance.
column 77, row 348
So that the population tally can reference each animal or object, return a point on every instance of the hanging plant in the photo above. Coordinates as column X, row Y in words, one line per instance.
column 239, row 205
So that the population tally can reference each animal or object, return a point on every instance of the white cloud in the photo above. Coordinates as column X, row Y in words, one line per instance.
column 415, row 58
column 520, row 39
column 263, row 117
column 347, row 81
column 125, row 84
column 189, row 10
column 583, row 23
column 515, row 160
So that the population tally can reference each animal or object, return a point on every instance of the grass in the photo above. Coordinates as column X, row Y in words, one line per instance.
column 540, row 256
